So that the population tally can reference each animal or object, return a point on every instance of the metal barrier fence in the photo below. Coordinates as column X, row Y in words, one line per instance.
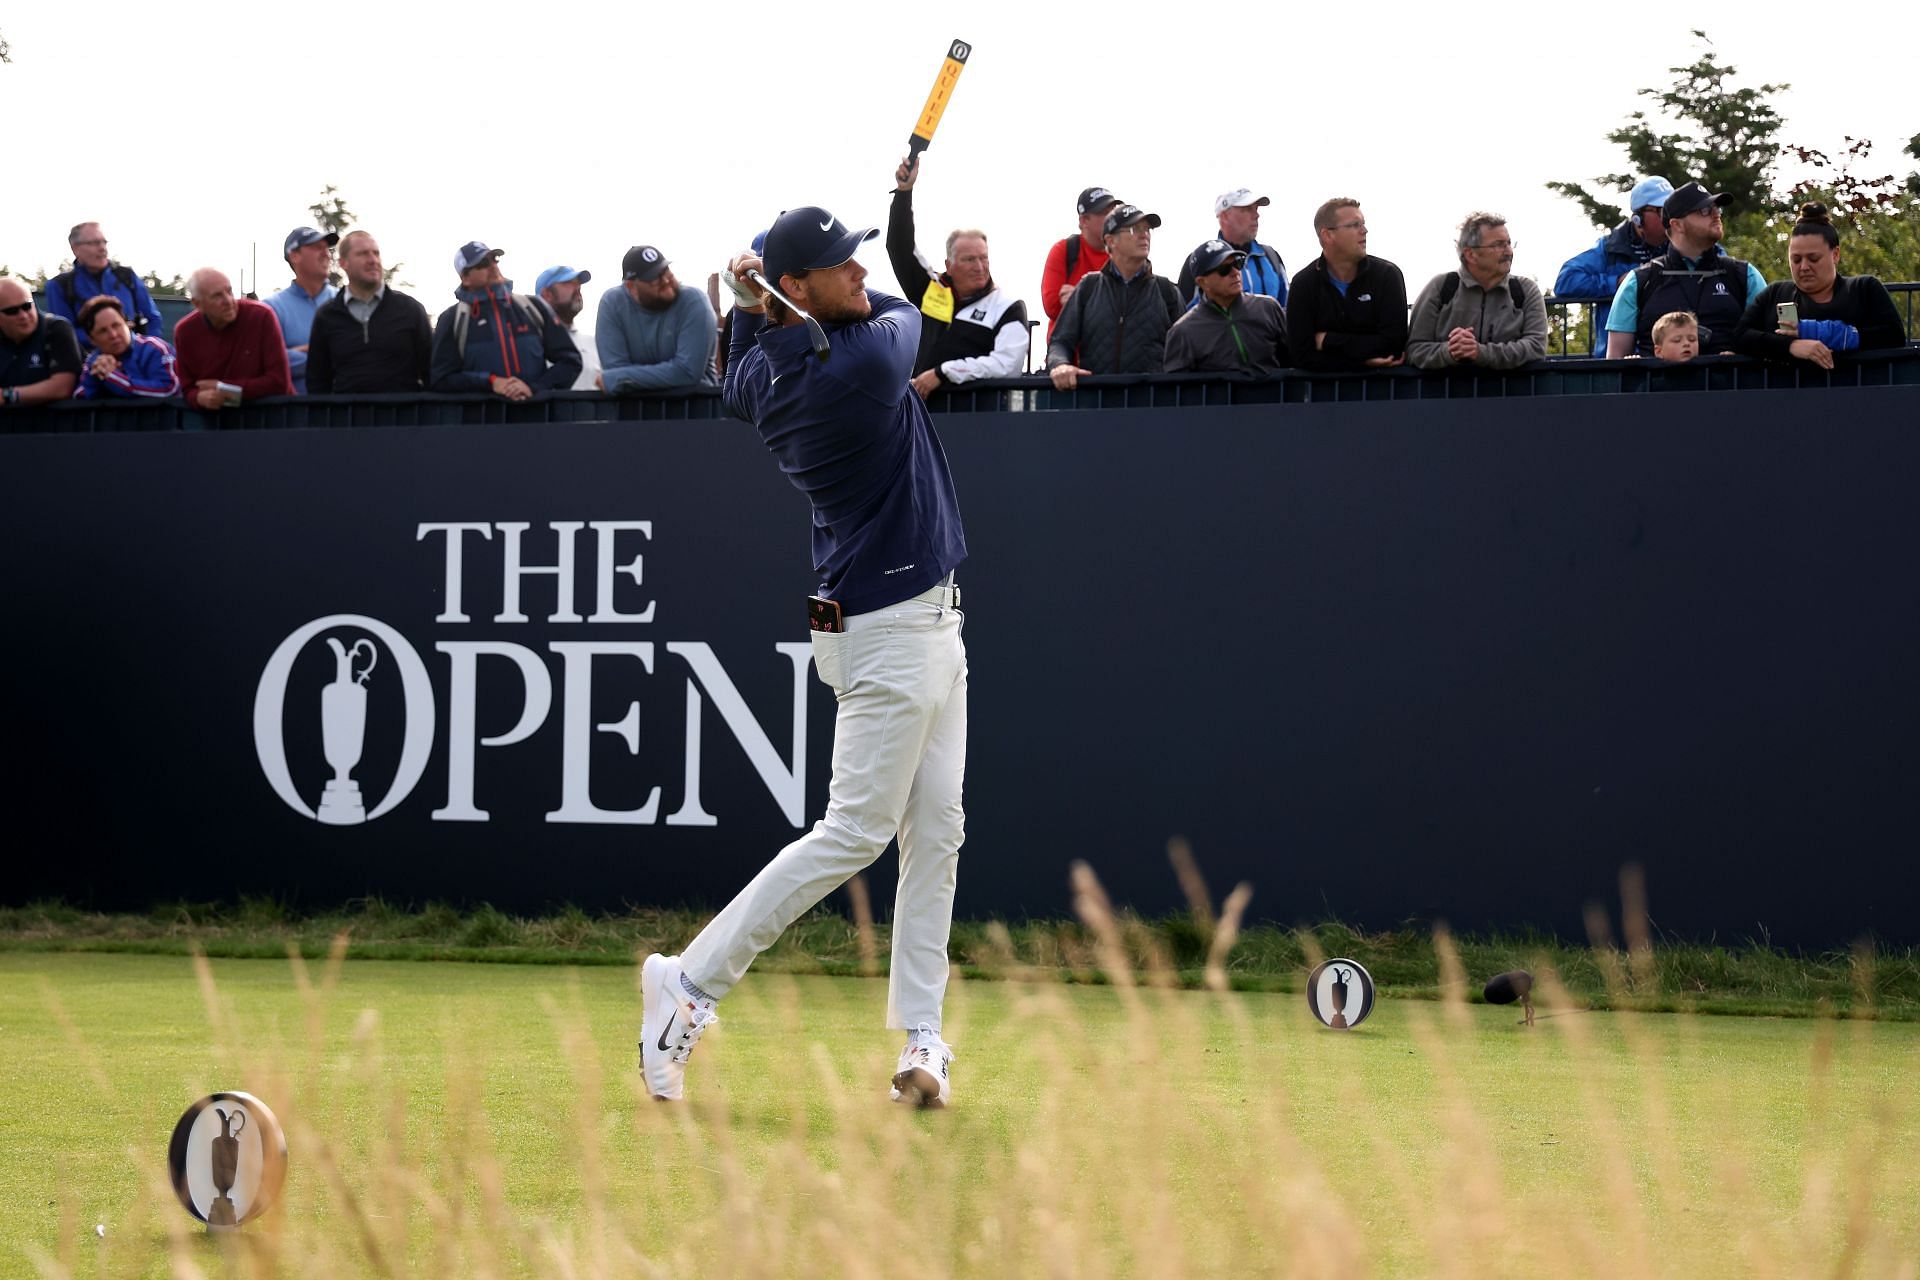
column 1565, row 314
column 1033, row 394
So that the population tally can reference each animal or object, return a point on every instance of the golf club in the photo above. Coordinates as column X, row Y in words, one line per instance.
column 818, row 335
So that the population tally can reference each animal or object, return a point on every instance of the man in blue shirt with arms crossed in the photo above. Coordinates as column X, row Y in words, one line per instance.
column 851, row 434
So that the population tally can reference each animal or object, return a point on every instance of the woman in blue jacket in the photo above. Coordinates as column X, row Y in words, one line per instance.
column 124, row 363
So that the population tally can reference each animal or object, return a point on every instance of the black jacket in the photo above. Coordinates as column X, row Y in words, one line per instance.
column 1250, row 339
column 1369, row 320
column 1116, row 326
column 391, row 352
column 986, row 336
column 1715, row 291
column 1861, row 301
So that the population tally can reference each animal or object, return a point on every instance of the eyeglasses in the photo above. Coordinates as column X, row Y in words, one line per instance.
column 96, row 243
column 1498, row 244
column 1138, row 229
column 17, row 308
column 1345, row 226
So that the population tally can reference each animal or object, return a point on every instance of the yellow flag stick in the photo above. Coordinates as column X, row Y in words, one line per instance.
column 956, row 60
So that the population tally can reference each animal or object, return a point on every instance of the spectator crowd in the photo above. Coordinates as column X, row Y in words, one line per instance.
column 1672, row 290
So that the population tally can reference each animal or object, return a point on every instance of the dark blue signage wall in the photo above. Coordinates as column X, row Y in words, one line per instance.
column 1386, row 661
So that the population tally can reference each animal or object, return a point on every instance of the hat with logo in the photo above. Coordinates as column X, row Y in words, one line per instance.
column 560, row 275
column 1094, row 200
column 1238, row 198
column 1211, row 256
column 1128, row 214
column 472, row 254
column 643, row 262
column 809, row 239
column 301, row 237
column 1691, row 197
column 1652, row 193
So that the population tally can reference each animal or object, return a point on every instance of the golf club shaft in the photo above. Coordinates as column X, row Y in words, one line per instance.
column 815, row 334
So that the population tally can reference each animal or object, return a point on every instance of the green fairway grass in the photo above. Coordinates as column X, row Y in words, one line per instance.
column 467, row 1120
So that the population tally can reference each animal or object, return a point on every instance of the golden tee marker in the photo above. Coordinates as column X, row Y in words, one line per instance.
column 956, row 62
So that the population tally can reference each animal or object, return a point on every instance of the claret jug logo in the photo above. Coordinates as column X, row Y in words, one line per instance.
column 343, row 717
column 352, row 749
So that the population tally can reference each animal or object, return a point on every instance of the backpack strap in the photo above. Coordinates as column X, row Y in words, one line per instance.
column 1515, row 292
column 460, row 329
column 65, row 281
column 1448, row 287
column 1073, row 256
column 138, row 320
column 1171, row 296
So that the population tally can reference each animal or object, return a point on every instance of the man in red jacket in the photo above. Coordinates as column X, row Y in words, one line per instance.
column 230, row 349
column 1078, row 256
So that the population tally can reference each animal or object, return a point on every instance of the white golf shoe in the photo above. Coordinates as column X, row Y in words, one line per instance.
column 922, row 1075
column 672, row 1021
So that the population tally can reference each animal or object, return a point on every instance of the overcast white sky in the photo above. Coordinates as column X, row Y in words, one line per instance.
column 567, row 132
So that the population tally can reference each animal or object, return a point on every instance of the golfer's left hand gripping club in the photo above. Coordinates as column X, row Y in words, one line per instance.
column 818, row 336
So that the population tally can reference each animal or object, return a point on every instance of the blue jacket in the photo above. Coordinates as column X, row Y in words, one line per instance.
column 1596, row 273
column 856, row 439
column 147, row 371
column 503, row 341
column 86, row 286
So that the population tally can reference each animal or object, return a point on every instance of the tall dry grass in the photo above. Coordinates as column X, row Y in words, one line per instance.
column 1174, row 1134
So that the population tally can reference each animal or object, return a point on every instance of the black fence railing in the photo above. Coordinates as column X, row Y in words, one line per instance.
column 1565, row 317
column 1032, row 394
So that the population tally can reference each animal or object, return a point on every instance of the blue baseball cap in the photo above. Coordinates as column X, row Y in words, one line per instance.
column 301, row 237
column 472, row 254
column 560, row 275
column 809, row 239
column 1652, row 193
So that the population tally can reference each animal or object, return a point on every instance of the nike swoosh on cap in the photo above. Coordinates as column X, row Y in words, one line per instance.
column 827, row 225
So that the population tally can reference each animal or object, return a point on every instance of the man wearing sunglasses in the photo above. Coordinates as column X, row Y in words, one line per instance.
column 1228, row 330
column 39, row 357
column 94, row 274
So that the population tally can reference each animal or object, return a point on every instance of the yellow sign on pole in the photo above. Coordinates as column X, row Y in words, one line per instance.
column 956, row 61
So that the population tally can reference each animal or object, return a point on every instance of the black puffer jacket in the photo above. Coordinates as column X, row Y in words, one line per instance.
column 1116, row 326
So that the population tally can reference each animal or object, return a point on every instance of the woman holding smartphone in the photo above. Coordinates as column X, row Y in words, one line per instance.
column 1819, row 311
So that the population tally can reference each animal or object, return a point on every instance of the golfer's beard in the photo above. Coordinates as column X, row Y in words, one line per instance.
column 842, row 310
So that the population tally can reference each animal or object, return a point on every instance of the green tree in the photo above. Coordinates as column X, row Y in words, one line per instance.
column 174, row 288
column 1877, row 216
column 1704, row 129
column 330, row 213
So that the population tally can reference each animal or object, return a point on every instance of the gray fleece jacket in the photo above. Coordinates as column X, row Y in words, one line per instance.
column 1509, row 336
column 1112, row 325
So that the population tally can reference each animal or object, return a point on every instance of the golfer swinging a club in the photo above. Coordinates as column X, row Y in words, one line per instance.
column 834, row 405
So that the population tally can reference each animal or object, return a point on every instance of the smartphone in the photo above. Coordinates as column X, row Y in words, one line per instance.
column 824, row 615
column 1787, row 316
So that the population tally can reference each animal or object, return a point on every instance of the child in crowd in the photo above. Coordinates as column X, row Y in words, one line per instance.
column 1676, row 336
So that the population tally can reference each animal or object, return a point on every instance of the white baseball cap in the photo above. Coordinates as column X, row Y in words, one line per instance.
column 1238, row 198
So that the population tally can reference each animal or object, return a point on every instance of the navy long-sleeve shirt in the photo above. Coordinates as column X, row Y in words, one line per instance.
column 856, row 439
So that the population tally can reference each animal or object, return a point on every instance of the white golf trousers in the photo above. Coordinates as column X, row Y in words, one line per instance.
column 899, row 759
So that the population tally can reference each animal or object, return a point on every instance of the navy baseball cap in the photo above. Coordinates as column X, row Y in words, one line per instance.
column 301, row 237
column 1095, row 200
column 809, row 239
column 472, row 254
column 560, row 275
column 1128, row 214
column 1211, row 256
column 1691, row 197
column 643, row 262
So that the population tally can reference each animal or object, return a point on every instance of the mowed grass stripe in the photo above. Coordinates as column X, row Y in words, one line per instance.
column 1097, row 1130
